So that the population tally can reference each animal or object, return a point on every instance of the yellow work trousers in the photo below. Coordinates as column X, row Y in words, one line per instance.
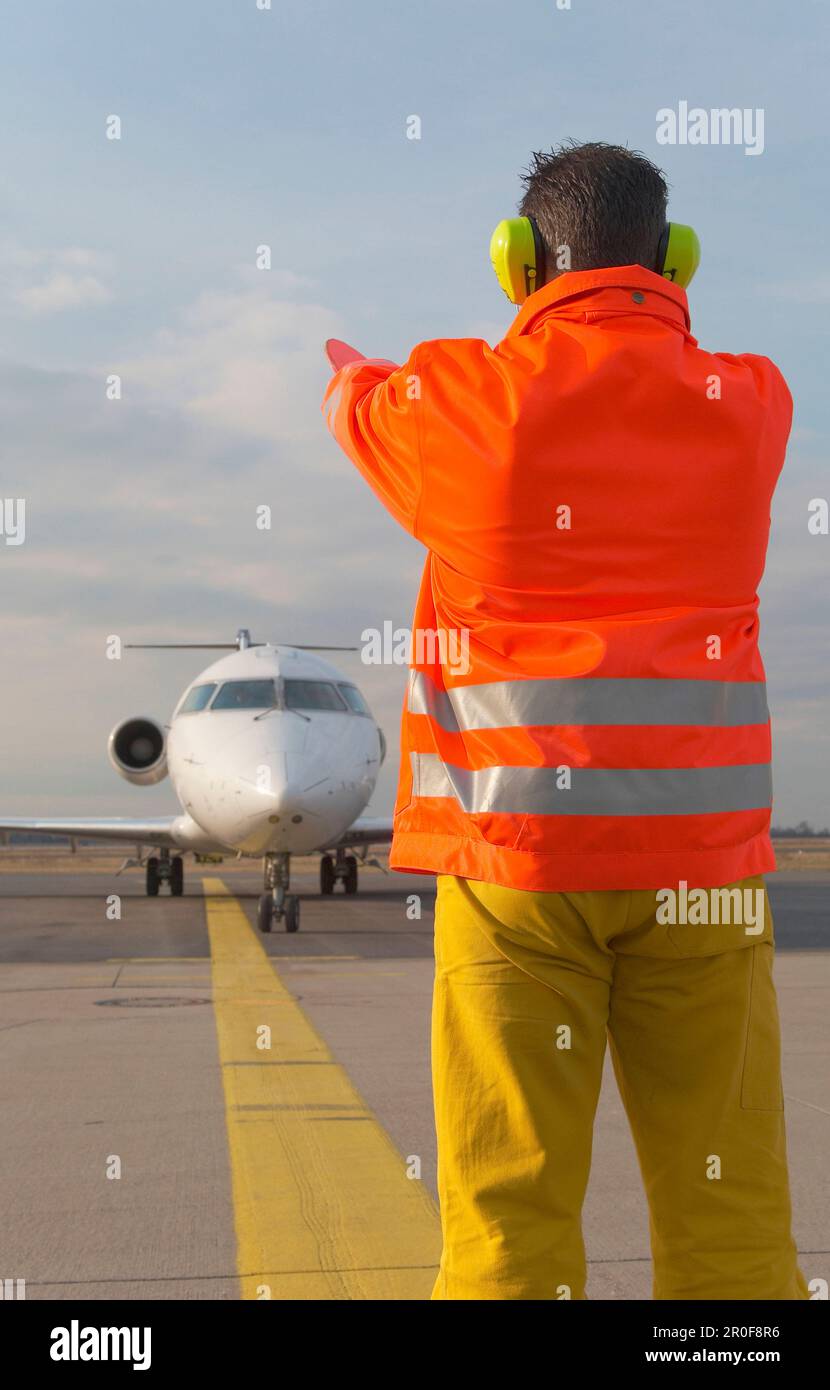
column 527, row 988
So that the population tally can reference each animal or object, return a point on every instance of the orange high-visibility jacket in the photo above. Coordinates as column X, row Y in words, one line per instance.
column 594, row 494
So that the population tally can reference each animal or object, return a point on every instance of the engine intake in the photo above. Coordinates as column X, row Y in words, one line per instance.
column 137, row 749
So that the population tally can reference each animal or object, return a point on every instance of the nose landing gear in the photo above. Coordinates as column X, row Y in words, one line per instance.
column 276, row 903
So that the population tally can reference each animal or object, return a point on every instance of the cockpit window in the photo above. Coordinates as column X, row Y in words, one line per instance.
column 312, row 695
column 354, row 699
column 246, row 695
column 196, row 699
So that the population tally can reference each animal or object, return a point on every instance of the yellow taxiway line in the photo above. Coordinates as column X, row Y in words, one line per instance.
column 323, row 1205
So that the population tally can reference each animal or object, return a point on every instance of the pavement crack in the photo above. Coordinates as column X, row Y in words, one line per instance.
column 24, row 1023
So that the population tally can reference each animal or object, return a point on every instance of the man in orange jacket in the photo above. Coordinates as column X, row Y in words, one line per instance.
column 591, row 783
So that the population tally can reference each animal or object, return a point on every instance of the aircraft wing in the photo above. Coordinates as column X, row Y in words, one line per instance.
column 366, row 830
column 161, row 831
column 175, row 832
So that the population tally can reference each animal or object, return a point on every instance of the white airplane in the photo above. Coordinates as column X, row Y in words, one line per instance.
column 271, row 752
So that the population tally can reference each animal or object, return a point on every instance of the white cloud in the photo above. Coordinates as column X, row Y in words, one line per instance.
column 63, row 291
column 248, row 361
column 52, row 281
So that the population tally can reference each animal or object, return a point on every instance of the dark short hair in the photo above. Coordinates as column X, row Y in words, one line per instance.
column 604, row 202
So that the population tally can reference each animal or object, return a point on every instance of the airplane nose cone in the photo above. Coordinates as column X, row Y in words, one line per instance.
column 269, row 789
column 281, row 790
column 281, row 808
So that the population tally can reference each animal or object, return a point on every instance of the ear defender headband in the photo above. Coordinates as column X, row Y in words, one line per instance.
column 518, row 256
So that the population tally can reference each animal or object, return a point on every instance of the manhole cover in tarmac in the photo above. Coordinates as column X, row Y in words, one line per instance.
column 138, row 1001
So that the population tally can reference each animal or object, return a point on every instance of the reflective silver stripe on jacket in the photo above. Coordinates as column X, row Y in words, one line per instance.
column 517, row 791
column 589, row 700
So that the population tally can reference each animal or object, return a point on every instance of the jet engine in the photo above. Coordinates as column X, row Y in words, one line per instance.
column 137, row 750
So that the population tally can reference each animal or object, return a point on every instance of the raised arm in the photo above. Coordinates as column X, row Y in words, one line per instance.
column 372, row 408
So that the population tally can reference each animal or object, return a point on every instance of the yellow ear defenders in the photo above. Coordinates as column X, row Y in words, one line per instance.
column 678, row 255
column 518, row 256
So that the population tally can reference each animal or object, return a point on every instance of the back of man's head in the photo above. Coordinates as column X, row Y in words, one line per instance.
column 606, row 204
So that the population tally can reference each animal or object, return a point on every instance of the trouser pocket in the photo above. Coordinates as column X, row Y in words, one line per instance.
column 761, row 1077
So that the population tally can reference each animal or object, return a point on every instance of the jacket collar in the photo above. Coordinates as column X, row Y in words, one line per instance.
column 609, row 289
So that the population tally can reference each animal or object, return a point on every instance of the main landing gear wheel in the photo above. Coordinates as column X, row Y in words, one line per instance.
column 152, row 879
column 177, row 876
column 326, row 874
column 343, row 870
column 161, row 869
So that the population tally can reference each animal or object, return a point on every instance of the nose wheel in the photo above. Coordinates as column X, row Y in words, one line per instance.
column 292, row 913
column 268, row 912
column 276, row 904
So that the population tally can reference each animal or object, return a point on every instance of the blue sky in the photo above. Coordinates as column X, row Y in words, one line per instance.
column 288, row 127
